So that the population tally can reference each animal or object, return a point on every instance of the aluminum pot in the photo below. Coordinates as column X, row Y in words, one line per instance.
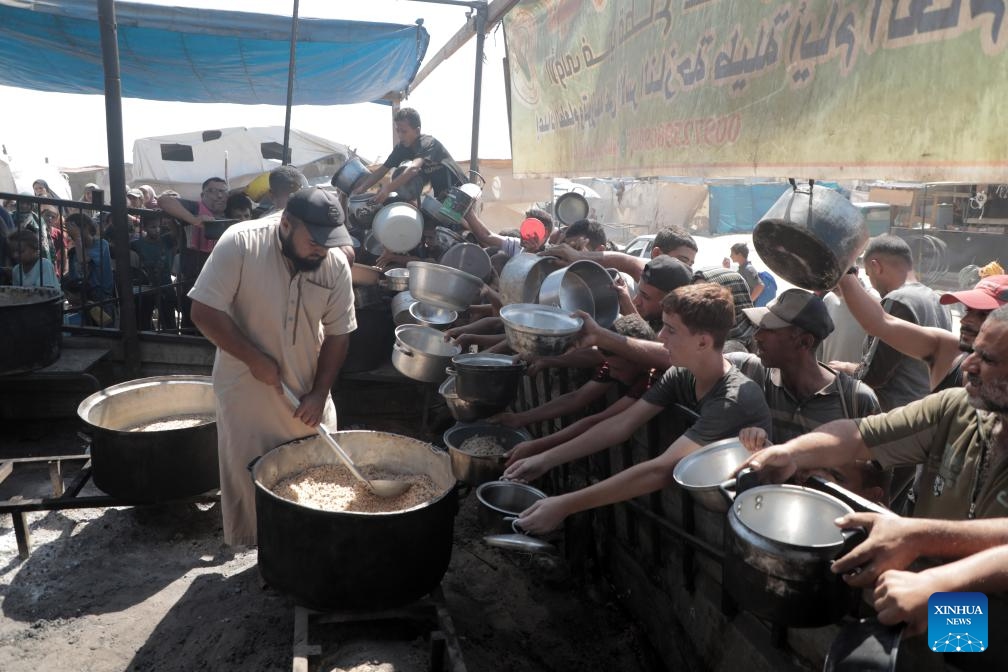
column 401, row 303
column 462, row 410
column 396, row 279
column 539, row 331
column 782, row 542
column 702, row 473
column 571, row 207
column 443, row 286
column 31, row 328
column 431, row 209
column 367, row 296
column 501, row 502
column 327, row 560
column 584, row 285
column 144, row 467
column 469, row 258
column 361, row 209
column 486, row 378
column 432, row 316
column 421, row 353
column 349, row 174
column 398, row 227
column 523, row 275
column 477, row 469
column 811, row 236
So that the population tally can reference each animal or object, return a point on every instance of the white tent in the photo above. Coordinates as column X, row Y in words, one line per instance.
column 18, row 178
column 183, row 161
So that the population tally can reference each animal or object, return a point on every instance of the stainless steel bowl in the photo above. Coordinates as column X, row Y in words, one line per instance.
column 501, row 501
column 396, row 279
column 702, row 472
column 477, row 469
column 443, row 286
column 584, row 285
column 432, row 316
column 536, row 330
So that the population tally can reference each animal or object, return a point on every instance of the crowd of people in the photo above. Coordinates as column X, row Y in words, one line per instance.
column 865, row 385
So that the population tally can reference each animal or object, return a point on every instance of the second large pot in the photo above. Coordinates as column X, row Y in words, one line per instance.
column 145, row 467
column 342, row 560
column 477, row 469
column 421, row 353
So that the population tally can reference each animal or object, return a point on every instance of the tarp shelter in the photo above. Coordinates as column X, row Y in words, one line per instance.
column 18, row 178
column 182, row 161
column 206, row 56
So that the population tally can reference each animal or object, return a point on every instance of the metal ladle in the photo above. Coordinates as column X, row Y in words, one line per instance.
column 381, row 488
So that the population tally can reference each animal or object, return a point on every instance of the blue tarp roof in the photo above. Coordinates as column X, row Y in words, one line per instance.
column 205, row 56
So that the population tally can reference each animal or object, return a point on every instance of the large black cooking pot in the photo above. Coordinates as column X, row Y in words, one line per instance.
column 31, row 322
column 486, row 378
column 327, row 560
column 145, row 467
column 781, row 542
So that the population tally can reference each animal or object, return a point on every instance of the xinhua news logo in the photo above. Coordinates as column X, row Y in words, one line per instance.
column 957, row 622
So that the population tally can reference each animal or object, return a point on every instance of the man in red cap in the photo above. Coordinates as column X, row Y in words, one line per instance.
column 939, row 349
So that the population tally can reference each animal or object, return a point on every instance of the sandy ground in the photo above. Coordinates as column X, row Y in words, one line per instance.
column 153, row 588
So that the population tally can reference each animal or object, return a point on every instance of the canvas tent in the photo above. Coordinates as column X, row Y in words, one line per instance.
column 183, row 161
column 16, row 178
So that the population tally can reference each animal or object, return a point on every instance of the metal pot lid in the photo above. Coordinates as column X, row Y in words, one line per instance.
column 538, row 319
column 519, row 542
column 792, row 515
column 711, row 465
column 467, row 257
column 487, row 360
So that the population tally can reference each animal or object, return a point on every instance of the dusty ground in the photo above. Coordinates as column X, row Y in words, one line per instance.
column 154, row 589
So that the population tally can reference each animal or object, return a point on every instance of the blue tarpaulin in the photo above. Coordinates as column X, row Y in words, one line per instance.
column 206, row 56
column 737, row 208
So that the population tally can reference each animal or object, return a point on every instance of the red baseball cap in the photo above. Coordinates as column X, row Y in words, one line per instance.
column 990, row 293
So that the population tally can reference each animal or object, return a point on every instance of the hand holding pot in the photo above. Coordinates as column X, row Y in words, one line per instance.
column 526, row 469
column 754, row 438
column 902, row 597
column 890, row 545
column 544, row 516
column 563, row 252
column 590, row 331
column 774, row 465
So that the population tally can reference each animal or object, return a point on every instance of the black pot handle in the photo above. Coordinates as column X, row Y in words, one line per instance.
column 746, row 479
column 450, row 370
column 251, row 465
column 852, row 536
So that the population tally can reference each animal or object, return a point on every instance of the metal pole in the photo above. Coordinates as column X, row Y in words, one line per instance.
column 481, row 18
column 290, row 83
column 117, row 176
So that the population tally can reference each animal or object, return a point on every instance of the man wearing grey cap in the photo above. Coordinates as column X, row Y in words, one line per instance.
column 801, row 392
column 275, row 298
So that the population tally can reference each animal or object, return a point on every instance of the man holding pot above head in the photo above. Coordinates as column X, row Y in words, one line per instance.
column 426, row 162
column 957, row 436
column 275, row 298
column 696, row 321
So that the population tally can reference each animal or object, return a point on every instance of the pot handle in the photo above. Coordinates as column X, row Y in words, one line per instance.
column 450, row 370
column 251, row 465
column 852, row 536
column 402, row 350
column 746, row 479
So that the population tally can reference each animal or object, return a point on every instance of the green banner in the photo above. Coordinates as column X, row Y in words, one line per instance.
column 827, row 89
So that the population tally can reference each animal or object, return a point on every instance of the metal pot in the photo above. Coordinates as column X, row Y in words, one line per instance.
column 584, row 285
column 571, row 207
column 401, row 303
column 144, row 467
column 443, row 286
column 523, row 275
column 477, row 469
column 349, row 174
column 459, row 202
column 432, row 316
column 462, row 410
column 782, row 542
column 396, row 279
column 469, row 258
column 703, row 472
column 371, row 342
column 501, row 502
column 539, row 331
column 811, row 236
column 361, row 209
column 421, row 353
column 398, row 227
column 366, row 296
column 31, row 328
column 486, row 378
column 431, row 208
column 328, row 560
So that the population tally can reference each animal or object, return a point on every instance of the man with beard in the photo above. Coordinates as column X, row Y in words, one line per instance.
column 276, row 300
column 939, row 349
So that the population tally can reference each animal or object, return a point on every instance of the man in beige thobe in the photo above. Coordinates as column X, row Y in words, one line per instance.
column 275, row 297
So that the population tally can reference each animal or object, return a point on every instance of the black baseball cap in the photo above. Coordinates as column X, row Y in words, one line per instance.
column 321, row 213
column 666, row 273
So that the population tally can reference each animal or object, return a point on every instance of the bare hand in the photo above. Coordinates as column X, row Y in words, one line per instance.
column 754, row 438
column 311, row 408
column 563, row 252
column 521, row 451
column 590, row 331
column 267, row 371
column 544, row 516
column 902, row 597
column 774, row 464
column 382, row 195
column 844, row 367
column 525, row 469
column 507, row 419
column 889, row 546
